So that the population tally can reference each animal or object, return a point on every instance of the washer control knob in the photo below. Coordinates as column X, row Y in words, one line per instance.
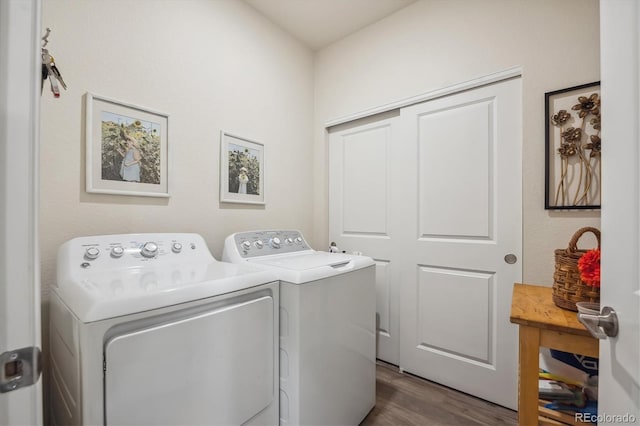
column 176, row 247
column 299, row 240
column 288, row 241
column 117, row 252
column 149, row 249
column 92, row 253
column 246, row 245
column 275, row 242
column 258, row 244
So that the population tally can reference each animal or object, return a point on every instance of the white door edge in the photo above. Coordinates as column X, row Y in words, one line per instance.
column 619, row 365
column 20, row 272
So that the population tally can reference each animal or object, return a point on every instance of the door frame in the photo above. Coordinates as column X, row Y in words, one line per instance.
column 19, row 145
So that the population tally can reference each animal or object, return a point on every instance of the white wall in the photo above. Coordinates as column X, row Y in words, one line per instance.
column 432, row 44
column 211, row 65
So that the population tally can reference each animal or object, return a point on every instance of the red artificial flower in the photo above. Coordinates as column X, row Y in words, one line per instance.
column 589, row 266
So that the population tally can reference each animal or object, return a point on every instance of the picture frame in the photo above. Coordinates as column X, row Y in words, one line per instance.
column 242, row 169
column 127, row 148
column 573, row 171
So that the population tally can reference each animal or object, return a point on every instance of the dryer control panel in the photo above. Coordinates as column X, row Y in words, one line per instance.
column 264, row 243
column 109, row 252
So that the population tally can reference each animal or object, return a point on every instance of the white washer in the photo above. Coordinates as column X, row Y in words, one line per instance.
column 327, row 326
column 149, row 329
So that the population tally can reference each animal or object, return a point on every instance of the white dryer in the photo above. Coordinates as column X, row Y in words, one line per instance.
column 327, row 326
column 149, row 329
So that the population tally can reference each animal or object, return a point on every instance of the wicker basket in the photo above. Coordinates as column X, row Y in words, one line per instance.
column 568, row 288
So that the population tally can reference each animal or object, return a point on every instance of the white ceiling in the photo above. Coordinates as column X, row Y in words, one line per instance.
column 318, row 23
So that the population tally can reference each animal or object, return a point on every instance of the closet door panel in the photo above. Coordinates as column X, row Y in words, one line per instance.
column 465, row 217
column 361, row 194
column 365, row 181
column 454, row 171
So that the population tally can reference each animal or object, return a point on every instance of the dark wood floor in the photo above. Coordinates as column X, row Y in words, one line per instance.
column 404, row 399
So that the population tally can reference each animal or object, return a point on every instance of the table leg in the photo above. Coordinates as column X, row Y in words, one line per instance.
column 528, row 380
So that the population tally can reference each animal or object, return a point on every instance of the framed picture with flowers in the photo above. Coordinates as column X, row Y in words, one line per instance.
column 126, row 148
column 573, row 168
column 241, row 170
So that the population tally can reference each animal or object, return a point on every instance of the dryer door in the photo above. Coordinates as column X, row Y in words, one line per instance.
column 212, row 368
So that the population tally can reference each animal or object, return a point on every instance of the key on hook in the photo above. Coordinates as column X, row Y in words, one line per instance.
column 45, row 75
column 54, row 86
column 57, row 75
column 53, row 70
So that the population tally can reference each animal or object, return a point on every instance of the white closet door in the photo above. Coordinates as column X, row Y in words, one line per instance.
column 215, row 368
column 461, row 215
column 361, row 181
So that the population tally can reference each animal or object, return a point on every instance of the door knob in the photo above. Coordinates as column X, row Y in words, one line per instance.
column 511, row 258
column 603, row 325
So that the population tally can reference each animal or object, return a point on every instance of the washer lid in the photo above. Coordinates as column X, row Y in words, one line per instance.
column 108, row 294
column 311, row 266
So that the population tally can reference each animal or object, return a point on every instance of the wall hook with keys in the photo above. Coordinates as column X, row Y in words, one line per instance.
column 49, row 69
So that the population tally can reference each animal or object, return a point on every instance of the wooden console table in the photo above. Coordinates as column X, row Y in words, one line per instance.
column 542, row 324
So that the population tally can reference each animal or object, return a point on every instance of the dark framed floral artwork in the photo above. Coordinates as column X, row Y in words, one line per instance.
column 573, row 168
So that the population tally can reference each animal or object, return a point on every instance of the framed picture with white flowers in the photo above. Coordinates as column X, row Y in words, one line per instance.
column 241, row 170
column 573, row 168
